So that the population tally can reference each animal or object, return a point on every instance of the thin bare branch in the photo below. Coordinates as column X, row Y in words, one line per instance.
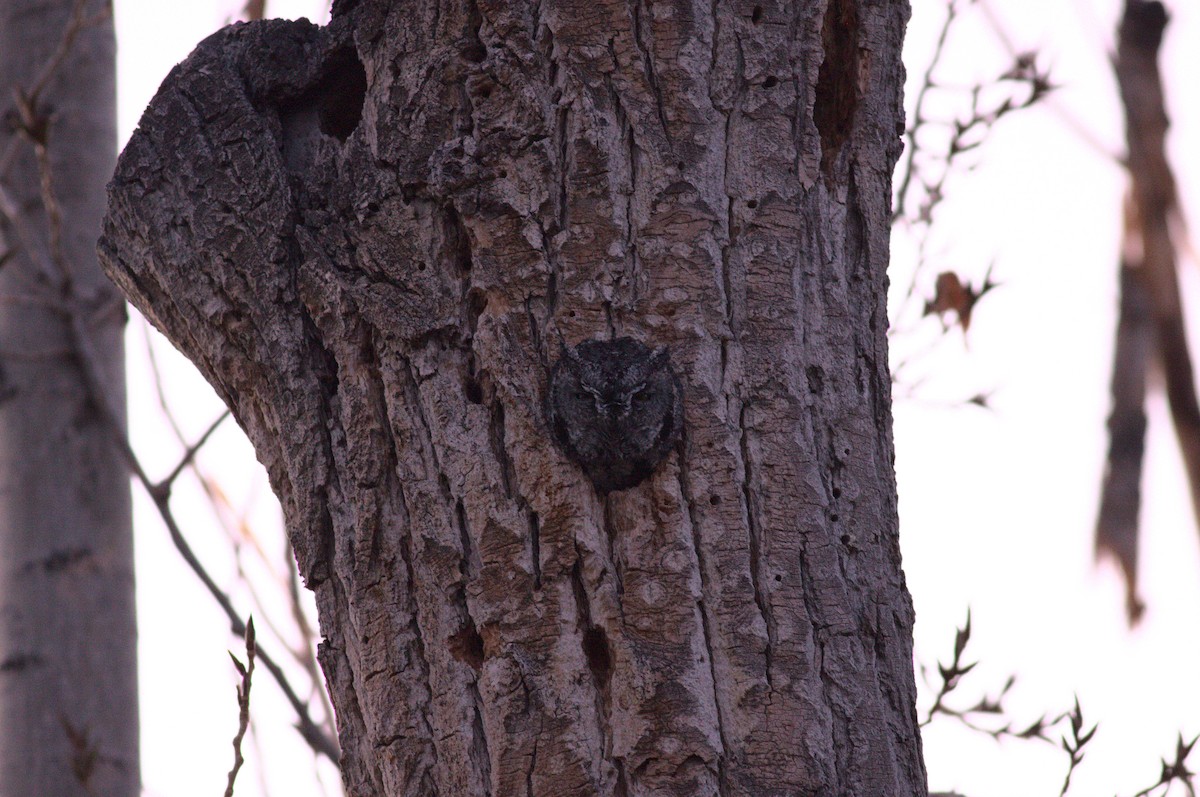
column 76, row 24
column 311, row 732
column 908, row 170
column 1074, row 743
column 951, row 676
column 160, row 384
column 190, row 454
column 1102, row 43
column 85, row 753
column 302, row 654
column 1175, row 771
column 243, row 699
column 43, row 277
column 941, row 143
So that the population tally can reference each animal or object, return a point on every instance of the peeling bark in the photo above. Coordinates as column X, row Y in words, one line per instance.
column 374, row 268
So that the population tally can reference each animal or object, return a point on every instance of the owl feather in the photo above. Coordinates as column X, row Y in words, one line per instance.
column 615, row 407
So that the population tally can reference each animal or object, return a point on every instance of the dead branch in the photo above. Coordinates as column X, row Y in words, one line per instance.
column 1150, row 248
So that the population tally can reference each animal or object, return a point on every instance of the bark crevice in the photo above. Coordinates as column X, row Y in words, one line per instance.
column 706, row 626
column 756, row 540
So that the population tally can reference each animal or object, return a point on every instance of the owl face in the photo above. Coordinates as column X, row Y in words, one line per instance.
column 615, row 407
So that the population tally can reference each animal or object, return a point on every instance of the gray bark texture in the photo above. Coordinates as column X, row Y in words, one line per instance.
column 370, row 238
column 68, row 674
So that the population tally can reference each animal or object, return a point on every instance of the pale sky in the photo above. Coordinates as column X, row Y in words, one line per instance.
column 996, row 507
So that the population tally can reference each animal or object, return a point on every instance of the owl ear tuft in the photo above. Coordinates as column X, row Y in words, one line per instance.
column 570, row 355
column 564, row 351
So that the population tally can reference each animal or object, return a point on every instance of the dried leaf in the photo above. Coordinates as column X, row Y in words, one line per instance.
column 952, row 294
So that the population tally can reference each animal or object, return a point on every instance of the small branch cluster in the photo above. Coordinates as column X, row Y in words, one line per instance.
column 1074, row 743
column 1075, row 734
column 1175, row 771
column 950, row 677
column 949, row 123
column 937, row 140
column 243, row 698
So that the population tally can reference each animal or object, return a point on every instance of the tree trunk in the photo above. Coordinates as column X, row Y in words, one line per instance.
column 68, row 676
column 370, row 237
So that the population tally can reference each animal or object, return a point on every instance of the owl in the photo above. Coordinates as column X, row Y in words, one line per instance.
column 615, row 407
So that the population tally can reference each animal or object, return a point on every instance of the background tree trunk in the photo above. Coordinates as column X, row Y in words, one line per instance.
column 68, row 675
column 370, row 238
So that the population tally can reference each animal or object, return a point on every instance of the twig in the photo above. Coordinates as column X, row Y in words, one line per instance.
column 159, row 383
column 1176, row 770
column 1100, row 41
column 311, row 732
column 302, row 655
column 909, row 170
column 937, row 145
column 1025, row 85
column 1074, row 744
column 951, row 676
column 75, row 25
column 190, row 454
column 54, row 216
column 952, row 673
column 26, row 240
column 243, row 699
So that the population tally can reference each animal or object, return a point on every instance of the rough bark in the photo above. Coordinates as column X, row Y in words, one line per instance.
column 68, row 678
column 370, row 238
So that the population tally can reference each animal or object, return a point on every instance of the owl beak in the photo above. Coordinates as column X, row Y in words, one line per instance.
column 614, row 410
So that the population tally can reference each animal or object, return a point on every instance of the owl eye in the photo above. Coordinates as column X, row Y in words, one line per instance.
column 581, row 395
column 642, row 396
